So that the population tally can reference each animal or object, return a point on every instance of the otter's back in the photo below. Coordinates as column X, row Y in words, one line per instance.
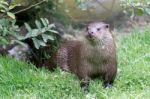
column 69, row 55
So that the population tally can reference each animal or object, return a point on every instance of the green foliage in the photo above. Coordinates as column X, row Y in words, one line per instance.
column 20, row 80
column 43, row 38
column 44, row 8
column 5, row 9
column 130, row 7
column 136, row 7
column 40, row 35
column 7, row 23
column 7, row 30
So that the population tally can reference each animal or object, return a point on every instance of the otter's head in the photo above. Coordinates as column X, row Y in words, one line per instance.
column 97, row 30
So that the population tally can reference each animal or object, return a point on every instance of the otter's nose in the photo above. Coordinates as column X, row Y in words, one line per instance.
column 90, row 34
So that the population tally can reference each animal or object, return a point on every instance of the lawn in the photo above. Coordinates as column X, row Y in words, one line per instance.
column 21, row 80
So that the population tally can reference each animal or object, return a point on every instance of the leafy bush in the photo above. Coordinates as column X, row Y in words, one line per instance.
column 40, row 35
column 130, row 7
column 7, row 30
column 43, row 39
column 136, row 7
column 5, row 9
column 43, row 33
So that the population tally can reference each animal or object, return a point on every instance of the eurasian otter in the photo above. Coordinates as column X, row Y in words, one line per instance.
column 93, row 54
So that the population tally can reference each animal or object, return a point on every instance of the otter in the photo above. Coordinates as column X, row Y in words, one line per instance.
column 90, row 55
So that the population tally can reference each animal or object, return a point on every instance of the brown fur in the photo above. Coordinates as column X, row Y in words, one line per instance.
column 93, row 55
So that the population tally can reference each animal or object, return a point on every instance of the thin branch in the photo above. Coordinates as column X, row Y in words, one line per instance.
column 30, row 7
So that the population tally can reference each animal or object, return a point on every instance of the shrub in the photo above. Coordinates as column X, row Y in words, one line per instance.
column 136, row 7
column 7, row 30
column 5, row 9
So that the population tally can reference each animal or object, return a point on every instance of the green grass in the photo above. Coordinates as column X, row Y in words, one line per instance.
column 19, row 80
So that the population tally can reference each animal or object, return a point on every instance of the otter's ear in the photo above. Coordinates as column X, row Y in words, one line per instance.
column 87, row 28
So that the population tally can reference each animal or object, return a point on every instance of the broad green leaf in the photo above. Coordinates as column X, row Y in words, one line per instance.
column 32, row 33
column 4, row 2
column 20, row 37
column 38, row 24
column 147, row 11
column 19, row 42
column 3, row 40
column 36, row 43
column 47, row 37
column 28, row 27
column 28, row 35
column 5, row 31
column 46, row 20
column 2, row 11
column 139, row 12
column 42, row 43
column 11, row 15
column 50, row 37
column 51, row 26
column 43, row 30
column 43, row 21
column 3, row 7
column 11, row 7
column 35, row 32
column 1, row 26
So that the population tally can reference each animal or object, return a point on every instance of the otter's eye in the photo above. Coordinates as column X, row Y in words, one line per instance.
column 98, row 29
column 107, row 26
